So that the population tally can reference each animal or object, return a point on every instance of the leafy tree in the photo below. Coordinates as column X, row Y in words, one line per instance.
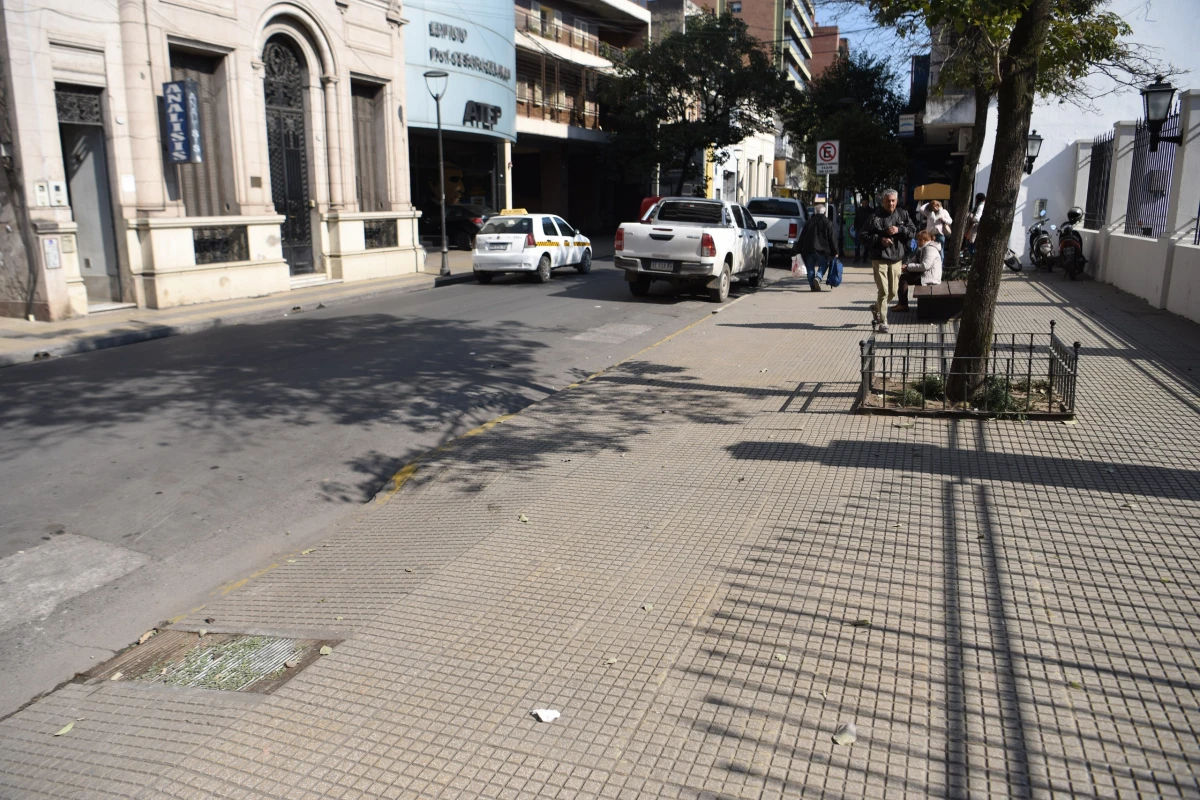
column 710, row 86
column 854, row 102
column 1013, row 50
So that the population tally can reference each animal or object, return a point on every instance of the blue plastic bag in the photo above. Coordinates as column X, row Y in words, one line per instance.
column 835, row 273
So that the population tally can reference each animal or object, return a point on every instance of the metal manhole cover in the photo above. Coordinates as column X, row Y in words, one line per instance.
column 225, row 661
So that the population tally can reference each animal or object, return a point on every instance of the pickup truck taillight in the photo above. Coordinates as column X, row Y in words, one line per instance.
column 619, row 241
column 708, row 248
column 530, row 241
column 792, row 231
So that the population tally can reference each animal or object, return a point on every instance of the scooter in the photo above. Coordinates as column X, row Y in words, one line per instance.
column 1041, row 250
column 1070, row 244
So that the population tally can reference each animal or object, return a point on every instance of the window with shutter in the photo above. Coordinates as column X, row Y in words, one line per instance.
column 203, row 187
column 370, row 186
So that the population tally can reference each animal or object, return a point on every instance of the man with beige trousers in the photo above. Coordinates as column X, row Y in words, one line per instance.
column 887, row 231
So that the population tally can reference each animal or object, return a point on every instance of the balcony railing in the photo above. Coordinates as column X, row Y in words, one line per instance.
column 533, row 103
column 571, row 36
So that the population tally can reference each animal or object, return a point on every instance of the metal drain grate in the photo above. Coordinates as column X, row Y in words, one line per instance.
column 224, row 661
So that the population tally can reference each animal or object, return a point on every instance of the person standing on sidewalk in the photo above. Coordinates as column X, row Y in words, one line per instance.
column 817, row 245
column 887, row 230
column 861, row 215
column 937, row 220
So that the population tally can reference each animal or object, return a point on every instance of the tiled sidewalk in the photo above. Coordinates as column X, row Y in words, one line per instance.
column 706, row 525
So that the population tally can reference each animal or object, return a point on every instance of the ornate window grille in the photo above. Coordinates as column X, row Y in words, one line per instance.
column 219, row 244
column 380, row 233
column 78, row 105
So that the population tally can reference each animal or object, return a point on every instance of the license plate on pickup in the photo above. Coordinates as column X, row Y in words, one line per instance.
column 662, row 266
column 497, row 245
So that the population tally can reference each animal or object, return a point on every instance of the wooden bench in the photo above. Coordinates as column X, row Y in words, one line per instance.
column 940, row 301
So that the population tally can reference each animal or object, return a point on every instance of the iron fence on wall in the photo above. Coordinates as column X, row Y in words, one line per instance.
column 1094, row 215
column 1197, row 239
column 1150, row 181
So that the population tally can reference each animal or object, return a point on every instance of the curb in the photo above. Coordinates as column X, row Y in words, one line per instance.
column 104, row 341
column 450, row 280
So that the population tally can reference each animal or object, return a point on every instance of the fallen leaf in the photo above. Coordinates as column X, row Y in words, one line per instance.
column 861, row 623
column 337, row 617
column 291, row 561
column 326, row 650
column 523, row 518
column 66, row 728
column 1129, row 505
column 116, row 676
column 202, row 631
column 1165, row 580
column 146, row 636
column 780, row 657
column 1075, row 684
column 408, row 569
column 291, row 664
column 905, row 425
column 163, row 671
column 647, row 607
column 1070, row 422
column 608, row 662
column 845, row 734
column 306, row 552
column 1109, row 470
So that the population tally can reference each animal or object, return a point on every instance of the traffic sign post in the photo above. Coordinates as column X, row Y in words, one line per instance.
column 827, row 157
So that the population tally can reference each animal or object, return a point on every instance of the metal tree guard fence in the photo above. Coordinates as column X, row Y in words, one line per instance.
column 1030, row 375
column 1097, row 191
column 1150, row 181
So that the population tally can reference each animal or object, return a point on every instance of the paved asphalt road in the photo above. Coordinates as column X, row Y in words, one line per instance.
column 134, row 481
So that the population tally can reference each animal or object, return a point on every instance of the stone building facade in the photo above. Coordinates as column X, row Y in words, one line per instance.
column 291, row 124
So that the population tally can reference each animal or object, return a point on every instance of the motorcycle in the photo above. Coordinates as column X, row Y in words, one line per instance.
column 1041, row 249
column 1070, row 244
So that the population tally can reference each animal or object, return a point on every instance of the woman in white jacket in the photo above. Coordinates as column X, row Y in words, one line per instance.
column 937, row 220
column 924, row 272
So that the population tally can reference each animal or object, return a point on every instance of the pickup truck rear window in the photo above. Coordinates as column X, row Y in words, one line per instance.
column 774, row 208
column 508, row 225
column 685, row 211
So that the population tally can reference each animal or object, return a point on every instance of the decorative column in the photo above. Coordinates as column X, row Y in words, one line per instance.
column 141, row 105
column 333, row 140
column 1083, row 168
column 1185, row 186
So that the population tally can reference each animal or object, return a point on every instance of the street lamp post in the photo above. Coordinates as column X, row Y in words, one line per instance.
column 436, row 81
column 1156, row 99
column 1033, row 146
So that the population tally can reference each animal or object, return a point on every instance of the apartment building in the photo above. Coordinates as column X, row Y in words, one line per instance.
column 563, row 49
column 827, row 47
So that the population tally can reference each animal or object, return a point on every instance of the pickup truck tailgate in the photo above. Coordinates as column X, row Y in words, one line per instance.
column 663, row 241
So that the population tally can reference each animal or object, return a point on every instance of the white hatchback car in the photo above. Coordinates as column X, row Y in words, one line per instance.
column 517, row 241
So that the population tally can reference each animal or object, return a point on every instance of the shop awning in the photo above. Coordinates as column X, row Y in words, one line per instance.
column 932, row 191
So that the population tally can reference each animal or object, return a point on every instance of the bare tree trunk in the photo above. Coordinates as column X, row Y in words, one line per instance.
column 1019, row 72
column 964, row 201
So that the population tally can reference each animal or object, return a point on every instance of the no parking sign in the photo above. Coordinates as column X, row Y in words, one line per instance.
column 827, row 157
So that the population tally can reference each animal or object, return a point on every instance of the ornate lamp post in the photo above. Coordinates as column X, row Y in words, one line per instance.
column 436, row 81
column 1033, row 146
column 1156, row 99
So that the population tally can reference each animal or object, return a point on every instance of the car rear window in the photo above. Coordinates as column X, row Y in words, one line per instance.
column 774, row 208
column 690, row 211
column 508, row 225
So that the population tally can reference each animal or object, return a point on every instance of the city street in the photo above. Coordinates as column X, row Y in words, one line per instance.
column 137, row 479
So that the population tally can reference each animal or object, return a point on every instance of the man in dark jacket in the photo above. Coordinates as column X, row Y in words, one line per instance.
column 887, row 231
column 817, row 245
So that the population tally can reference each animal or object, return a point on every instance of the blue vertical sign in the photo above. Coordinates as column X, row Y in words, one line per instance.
column 182, row 102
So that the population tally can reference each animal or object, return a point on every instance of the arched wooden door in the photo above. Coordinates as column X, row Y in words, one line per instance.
column 287, row 147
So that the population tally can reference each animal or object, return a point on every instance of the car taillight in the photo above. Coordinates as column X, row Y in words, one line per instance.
column 708, row 248
column 477, row 220
column 792, row 231
column 530, row 241
column 619, row 241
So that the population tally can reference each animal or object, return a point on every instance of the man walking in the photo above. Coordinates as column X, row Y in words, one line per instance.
column 888, row 228
column 817, row 245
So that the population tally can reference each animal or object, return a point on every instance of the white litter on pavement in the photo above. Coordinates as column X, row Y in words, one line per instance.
column 545, row 714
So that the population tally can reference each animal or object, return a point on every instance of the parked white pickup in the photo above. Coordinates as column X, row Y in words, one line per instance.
column 692, row 241
column 785, row 219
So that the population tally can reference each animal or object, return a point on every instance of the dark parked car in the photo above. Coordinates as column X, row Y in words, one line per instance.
column 463, row 221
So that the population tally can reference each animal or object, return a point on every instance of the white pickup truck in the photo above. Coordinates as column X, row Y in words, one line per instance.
column 693, row 242
column 785, row 219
